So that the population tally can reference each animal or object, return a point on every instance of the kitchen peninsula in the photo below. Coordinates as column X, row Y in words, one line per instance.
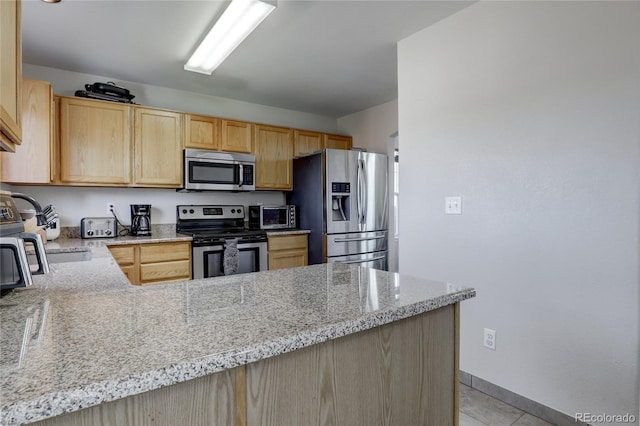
column 330, row 343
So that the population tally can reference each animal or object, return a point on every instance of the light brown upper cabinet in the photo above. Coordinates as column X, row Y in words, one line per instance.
column 158, row 142
column 236, row 136
column 201, row 132
column 336, row 141
column 306, row 142
column 274, row 157
column 31, row 162
column 95, row 142
column 10, row 75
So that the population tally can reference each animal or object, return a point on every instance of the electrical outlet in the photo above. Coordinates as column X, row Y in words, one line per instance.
column 453, row 205
column 490, row 339
column 111, row 208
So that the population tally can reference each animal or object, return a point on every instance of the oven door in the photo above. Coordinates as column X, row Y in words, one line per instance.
column 208, row 260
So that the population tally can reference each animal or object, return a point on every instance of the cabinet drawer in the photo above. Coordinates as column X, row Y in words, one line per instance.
column 124, row 255
column 166, row 271
column 165, row 252
column 287, row 242
column 288, row 259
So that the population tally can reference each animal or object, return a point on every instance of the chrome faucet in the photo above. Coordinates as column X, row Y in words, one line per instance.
column 39, row 214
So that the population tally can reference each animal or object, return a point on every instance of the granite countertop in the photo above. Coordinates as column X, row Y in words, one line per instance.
column 82, row 335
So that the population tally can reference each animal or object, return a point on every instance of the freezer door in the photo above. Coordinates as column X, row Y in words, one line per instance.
column 375, row 260
column 355, row 243
column 373, row 186
column 341, row 185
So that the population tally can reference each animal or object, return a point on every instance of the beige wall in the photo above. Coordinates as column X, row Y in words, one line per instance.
column 530, row 111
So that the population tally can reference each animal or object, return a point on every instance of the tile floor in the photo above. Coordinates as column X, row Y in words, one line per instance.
column 479, row 409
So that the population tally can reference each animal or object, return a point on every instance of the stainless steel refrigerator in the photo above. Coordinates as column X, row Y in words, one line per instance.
column 343, row 199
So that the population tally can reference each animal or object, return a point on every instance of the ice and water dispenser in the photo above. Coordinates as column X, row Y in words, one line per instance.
column 340, row 201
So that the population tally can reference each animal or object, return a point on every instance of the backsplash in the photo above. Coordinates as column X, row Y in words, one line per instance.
column 74, row 203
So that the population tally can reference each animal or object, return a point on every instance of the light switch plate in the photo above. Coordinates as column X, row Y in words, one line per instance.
column 453, row 205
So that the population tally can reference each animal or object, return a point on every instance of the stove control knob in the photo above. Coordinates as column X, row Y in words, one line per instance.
column 239, row 210
column 184, row 211
column 233, row 210
column 191, row 211
column 107, row 232
column 89, row 233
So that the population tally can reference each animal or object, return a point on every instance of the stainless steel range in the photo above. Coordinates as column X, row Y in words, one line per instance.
column 216, row 230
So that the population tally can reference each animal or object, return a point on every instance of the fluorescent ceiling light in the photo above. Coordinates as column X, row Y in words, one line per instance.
column 235, row 24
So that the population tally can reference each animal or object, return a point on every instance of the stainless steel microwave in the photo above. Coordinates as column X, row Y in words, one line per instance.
column 273, row 217
column 206, row 170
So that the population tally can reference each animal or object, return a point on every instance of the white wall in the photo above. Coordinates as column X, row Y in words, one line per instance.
column 372, row 127
column 67, row 82
column 74, row 203
column 531, row 112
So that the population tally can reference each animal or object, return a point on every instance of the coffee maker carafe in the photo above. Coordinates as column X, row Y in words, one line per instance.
column 140, row 219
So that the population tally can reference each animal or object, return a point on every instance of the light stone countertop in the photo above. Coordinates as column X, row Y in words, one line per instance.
column 82, row 335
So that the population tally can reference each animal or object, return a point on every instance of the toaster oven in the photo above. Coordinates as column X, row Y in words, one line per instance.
column 273, row 217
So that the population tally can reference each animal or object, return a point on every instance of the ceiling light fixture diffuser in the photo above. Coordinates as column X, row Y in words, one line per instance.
column 238, row 21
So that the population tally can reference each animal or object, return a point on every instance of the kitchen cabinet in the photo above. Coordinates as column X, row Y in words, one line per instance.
column 10, row 75
column 288, row 251
column 236, row 136
column 150, row 263
column 336, row 141
column 306, row 142
column 158, row 144
column 94, row 142
column 201, row 132
column 31, row 162
column 273, row 148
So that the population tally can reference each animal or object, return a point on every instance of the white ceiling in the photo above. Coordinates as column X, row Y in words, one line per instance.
column 325, row 57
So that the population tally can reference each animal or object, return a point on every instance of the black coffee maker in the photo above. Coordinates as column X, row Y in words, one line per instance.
column 140, row 219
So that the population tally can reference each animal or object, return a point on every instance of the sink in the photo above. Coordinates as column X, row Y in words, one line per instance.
column 62, row 257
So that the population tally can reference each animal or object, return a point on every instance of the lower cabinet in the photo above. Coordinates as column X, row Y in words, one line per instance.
column 149, row 263
column 288, row 251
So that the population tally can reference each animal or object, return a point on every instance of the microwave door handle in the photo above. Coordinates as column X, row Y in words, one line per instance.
column 241, row 177
column 41, row 256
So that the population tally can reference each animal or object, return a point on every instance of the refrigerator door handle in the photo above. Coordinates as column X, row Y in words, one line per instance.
column 359, row 192
column 364, row 260
column 365, row 199
column 346, row 240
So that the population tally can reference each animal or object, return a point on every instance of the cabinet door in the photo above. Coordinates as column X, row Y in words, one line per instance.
column 158, row 148
column 95, row 142
column 235, row 136
column 10, row 75
column 306, row 142
column 31, row 162
column 336, row 141
column 201, row 132
column 273, row 148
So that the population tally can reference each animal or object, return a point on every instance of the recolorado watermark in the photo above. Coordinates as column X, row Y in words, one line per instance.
column 605, row 418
